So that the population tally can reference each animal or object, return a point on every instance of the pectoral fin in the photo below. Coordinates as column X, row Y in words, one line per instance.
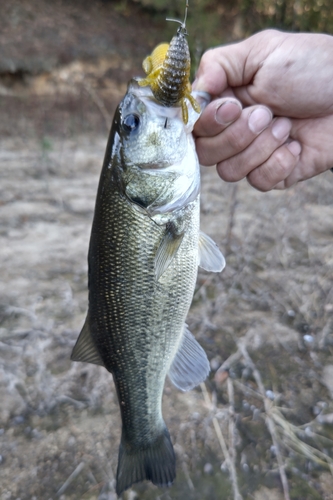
column 210, row 256
column 190, row 366
column 85, row 349
column 167, row 250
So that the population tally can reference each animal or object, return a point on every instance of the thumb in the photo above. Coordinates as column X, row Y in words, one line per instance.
column 221, row 68
column 235, row 65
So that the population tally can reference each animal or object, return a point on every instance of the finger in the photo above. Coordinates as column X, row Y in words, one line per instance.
column 235, row 138
column 273, row 173
column 217, row 116
column 244, row 95
column 280, row 185
column 258, row 152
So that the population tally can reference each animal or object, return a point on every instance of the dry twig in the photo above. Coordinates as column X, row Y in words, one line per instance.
column 232, row 447
column 229, row 460
column 231, row 219
column 269, row 421
column 71, row 478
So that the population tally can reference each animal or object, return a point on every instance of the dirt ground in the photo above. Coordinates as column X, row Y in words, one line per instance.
column 261, row 427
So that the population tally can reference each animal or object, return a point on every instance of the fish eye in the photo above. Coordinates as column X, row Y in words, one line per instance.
column 130, row 123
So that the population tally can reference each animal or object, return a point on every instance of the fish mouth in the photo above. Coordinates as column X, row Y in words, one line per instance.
column 155, row 167
column 155, row 107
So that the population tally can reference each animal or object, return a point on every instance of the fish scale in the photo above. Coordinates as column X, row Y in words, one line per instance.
column 119, row 292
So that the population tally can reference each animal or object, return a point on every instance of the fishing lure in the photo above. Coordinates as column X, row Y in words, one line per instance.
column 168, row 71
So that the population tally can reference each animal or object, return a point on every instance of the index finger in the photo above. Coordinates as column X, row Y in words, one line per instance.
column 217, row 116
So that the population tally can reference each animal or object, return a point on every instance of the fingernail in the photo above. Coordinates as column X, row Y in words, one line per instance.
column 194, row 84
column 203, row 98
column 281, row 129
column 227, row 112
column 259, row 119
column 199, row 85
column 295, row 148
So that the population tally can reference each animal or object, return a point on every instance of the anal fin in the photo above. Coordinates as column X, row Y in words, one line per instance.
column 85, row 349
column 190, row 366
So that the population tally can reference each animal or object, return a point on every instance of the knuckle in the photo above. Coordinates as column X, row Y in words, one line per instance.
column 256, row 180
column 204, row 153
column 273, row 171
column 208, row 56
column 283, row 162
column 206, row 61
column 237, row 141
column 227, row 172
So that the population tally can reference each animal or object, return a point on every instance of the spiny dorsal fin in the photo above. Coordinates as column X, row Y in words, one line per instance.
column 167, row 250
column 85, row 349
column 210, row 256
column 190, row 366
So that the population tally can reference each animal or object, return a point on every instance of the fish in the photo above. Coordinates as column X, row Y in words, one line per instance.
column 144, row 252
column 168, row 71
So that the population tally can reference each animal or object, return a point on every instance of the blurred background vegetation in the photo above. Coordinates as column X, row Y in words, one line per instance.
column 38, row 36
column 210, row 20
column 64, row 67
column 215, row 22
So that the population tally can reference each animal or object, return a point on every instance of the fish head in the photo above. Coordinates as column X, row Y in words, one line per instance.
column 152, row 135
column 154, row 153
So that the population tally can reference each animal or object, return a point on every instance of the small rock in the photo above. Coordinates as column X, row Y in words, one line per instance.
column 308, row 339
column 316, row 410
column 246, row 405
column 273, row 450
column 208, row 468
column 245, row 468
column 270, row 395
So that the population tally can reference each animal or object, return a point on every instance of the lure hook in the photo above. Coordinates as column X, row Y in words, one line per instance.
column 182, row 24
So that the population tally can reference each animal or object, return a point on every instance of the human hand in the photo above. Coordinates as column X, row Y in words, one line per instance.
column 285, row 132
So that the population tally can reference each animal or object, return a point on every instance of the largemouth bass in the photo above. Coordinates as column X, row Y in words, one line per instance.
column 144, row 252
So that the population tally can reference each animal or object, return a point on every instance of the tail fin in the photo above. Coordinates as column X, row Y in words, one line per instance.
column 157, row 463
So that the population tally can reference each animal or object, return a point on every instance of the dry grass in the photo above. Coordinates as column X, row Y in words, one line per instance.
column 264, row 422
